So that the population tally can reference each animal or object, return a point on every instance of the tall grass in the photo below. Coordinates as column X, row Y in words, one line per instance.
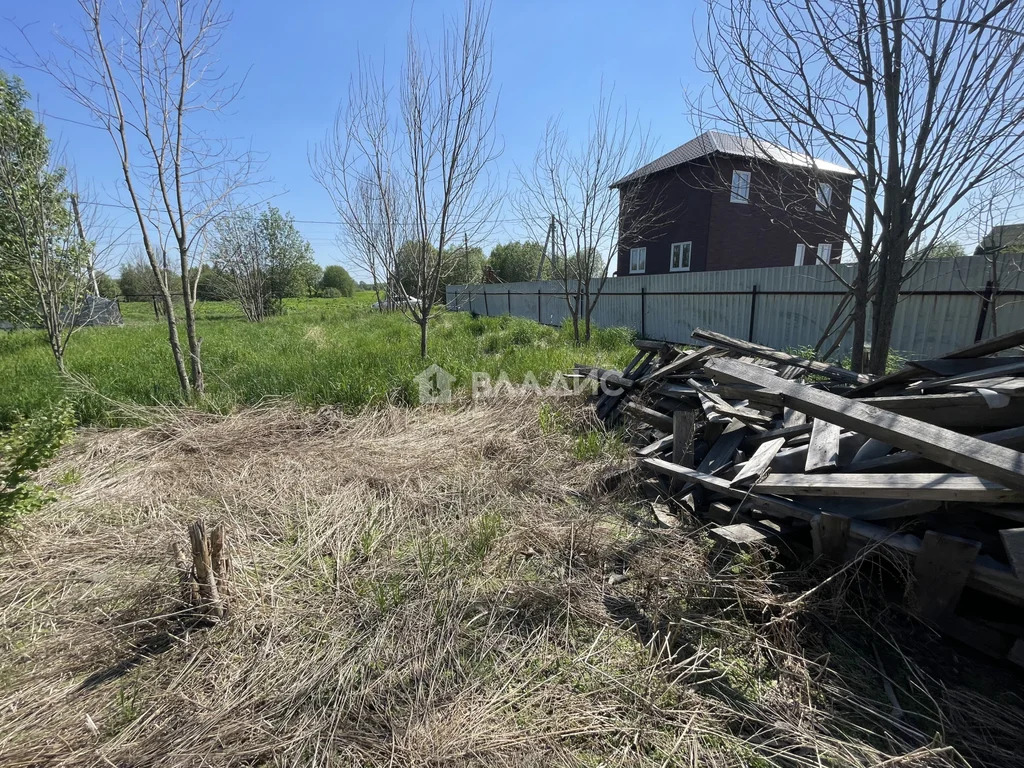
column 319, row 352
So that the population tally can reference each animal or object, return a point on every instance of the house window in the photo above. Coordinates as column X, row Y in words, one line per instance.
column 740, row 187
column 801, row 250
column 637, row 260
column 680, row 258
column 824, row 197
column 824, row 252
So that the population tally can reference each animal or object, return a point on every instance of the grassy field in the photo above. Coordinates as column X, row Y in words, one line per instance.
column 445, row 587
column 319, row 352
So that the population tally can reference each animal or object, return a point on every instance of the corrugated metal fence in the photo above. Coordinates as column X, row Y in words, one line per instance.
column 943, row 304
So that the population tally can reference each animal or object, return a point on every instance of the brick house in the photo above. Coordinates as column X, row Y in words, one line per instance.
column 724, row 202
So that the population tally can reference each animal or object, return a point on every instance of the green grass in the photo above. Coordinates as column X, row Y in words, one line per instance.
column 319, row 352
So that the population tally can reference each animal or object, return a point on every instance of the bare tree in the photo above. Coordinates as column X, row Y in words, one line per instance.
column 411, row 168
column 147, row 73
column 918, row 98
column 594, row 214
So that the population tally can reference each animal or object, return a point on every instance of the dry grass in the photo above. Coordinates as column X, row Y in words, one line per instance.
column 428, row 587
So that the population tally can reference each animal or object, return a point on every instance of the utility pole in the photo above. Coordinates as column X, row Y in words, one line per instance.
column 548, row 238
column 90, row 267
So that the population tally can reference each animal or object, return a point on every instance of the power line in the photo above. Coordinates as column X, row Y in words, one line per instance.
column 338, row 223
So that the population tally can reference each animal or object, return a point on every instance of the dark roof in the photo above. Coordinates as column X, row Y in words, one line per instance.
column 715, row 142
column 1008, row 238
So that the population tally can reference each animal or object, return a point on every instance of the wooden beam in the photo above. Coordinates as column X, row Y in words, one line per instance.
column 721, row 454
column 941, row 572
column 943, row 367
column 823, row 450
column 783, row 358
column 987, row 575
column 656, row 447
column 830, row 534
column 937, row 486
column 686, row 362
column 981, row 349
column 648, row 416
column 968, row 454
column 758, row 462
column 1012, row 437
column 1013, row 543
column 682, row 437
column 1012, row 368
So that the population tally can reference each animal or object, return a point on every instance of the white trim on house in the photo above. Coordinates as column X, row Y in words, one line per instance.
column 679, row 249
column 824, row 197
column 740, row 190
column 637, row 261
column 801, row 252
column 824, row 252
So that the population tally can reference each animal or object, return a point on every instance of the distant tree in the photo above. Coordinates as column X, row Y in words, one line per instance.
column 213, row 284
column 335, row 277
column 516, row 262
column 137, row 281
column 462, row 266
column 306, row 280
column 408, row 163
column 943, row 249
column 265, row 257
column 108, row 287
column 43, row 274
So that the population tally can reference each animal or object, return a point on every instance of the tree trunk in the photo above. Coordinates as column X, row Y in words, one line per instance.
column 423, row 336
column 194, row 342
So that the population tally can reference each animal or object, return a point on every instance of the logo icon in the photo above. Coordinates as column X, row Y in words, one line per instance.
column 435, row 385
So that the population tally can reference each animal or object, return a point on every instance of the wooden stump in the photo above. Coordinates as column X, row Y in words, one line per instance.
column 204, row 578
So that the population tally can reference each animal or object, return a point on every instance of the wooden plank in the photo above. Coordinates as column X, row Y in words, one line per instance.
column 659, row 445
column 721, row 454
column 987, row 575
column 610, row 377
column 758, row 462
column 1013, row 543
column 981, row 349
column 830, row 534
column 934, row 486
column 711, row 401
column 648, row 345
column 648, row 416
column 956, row 367
column 682, row 437
column 1012, row 437
column 741, row 537
column 791, row 418
column 823, row 450
column 686, row 362
column 941, row 572
column 775, row 356
column 1012, row 368
column 968, row 454
column 787, row 432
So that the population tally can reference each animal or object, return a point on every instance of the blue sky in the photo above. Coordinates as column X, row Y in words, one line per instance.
column 297, row 58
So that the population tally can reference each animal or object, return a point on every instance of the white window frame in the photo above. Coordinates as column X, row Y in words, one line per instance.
column 801, row 254
column 740, row 182
column 637, row 261
column 824, row 196
column 672, row 256
column 825, row 252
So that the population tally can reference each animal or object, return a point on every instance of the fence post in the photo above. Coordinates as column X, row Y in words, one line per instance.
column 753, row 309
column 643, row 311
column 538, row 305
column 509, row 292
column 986, row 300
column 487, row 309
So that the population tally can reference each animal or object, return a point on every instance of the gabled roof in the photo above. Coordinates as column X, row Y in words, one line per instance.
column 1008, row 238
column 715, row 142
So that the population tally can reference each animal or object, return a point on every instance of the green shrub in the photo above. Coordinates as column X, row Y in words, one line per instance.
column 23, row 450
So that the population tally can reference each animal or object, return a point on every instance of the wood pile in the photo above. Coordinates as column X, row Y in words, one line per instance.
column 770, row 447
